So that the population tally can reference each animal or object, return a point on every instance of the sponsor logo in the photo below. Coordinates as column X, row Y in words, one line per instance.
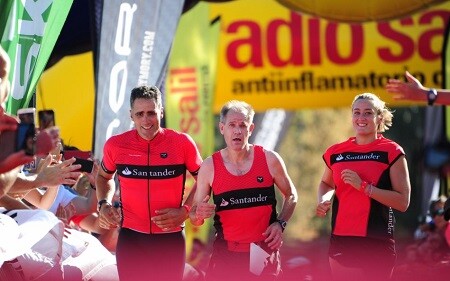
column 163, row 155
column 390, row 228
column 224, row 203
column 137, row 172
column 370, row 156
column 245, row 200
column 259, row 179
column 126, row 172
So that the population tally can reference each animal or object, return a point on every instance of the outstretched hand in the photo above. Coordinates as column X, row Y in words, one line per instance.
column 411, row 90
column 55, row 175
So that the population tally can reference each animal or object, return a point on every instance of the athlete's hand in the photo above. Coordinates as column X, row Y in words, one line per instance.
column 274, row 236
column 170, row 218
column 322, row 208
column 109, row 217
column 204, row 209
column 352, row 178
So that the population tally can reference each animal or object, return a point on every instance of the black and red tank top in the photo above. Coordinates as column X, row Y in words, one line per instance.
column 354, row 213
column 245, row 204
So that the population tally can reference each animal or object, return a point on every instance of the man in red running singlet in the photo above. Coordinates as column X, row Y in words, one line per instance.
column 151, row 164
column 242, row 178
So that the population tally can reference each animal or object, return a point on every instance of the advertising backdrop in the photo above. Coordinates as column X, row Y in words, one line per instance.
column 277, row 58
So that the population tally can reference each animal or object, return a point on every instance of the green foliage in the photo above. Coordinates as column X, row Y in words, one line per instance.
column 310, row 133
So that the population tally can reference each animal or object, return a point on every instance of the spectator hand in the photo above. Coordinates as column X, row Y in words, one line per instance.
column 411, row 90
column 44, row 143
column 66, row 213
column 55, row 175
column 93, row 175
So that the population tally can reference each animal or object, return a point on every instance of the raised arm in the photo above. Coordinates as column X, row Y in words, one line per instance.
column 413, row 90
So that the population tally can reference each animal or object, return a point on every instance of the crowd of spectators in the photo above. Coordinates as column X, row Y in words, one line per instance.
column 428, row 256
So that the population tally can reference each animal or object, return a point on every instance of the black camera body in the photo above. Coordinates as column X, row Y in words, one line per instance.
column 24, row 137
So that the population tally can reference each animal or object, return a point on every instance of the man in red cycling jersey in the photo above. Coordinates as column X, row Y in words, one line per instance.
column 151, row 164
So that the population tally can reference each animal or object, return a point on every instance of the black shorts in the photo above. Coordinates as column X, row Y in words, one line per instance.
column 141, row 255
column 363, row 252
column 230, row 265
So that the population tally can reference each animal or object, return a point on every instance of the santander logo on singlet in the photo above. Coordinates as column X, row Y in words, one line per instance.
column 245, row 200
column 367, row 156
column 140, row 173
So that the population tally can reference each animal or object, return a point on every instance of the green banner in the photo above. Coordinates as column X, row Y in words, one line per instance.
column 191, row 78
column 189, row 91
column 29, row 30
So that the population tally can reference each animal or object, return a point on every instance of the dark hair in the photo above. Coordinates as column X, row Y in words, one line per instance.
column 435, row 209
column 146, row 92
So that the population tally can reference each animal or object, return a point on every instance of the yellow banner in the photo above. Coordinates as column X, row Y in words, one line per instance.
column 68, row 89
column 276, row 58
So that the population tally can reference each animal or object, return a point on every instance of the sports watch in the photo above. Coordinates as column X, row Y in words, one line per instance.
column 100, row 204
column 282, row 223
column 431, row 96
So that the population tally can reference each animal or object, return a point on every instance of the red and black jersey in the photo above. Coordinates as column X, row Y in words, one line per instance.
column 151, row 173
column 246, row 204
column 354, row 213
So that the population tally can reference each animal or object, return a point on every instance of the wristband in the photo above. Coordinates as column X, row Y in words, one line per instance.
column 187, row 207
column 369, row 190
column 363, row 186
column 283, row 224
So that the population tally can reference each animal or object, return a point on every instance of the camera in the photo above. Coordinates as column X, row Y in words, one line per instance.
column 26, row 138
column 23, row 138
column 26, row 131
column 27, row 115
column 81, row 157
column 46, row 119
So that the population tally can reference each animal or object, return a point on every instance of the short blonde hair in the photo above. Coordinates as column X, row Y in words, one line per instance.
column 381, row 109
